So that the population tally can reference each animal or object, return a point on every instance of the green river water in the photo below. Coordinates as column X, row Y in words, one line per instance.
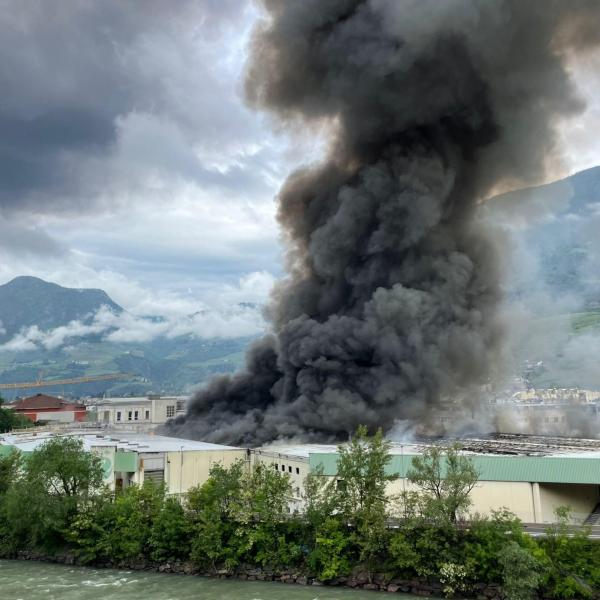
column 25, row 580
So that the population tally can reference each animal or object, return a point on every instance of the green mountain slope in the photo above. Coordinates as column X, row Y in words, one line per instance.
column 29, row 301
column 163, row 366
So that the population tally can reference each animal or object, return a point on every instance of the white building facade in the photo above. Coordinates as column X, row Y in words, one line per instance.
column 136, row 413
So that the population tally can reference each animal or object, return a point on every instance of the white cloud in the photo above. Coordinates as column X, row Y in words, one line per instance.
column 234, row 312
column 579, row 137
column 245, row 321
column 184, row 219
column 32, row 338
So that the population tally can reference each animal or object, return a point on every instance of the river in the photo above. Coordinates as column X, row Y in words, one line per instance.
column 27, row 580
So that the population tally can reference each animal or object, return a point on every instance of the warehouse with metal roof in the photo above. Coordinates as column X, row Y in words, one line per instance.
column 530, row 476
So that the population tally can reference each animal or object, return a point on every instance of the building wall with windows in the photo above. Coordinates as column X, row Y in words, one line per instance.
column 293, row 461
column 136, row 413
column 545, row 418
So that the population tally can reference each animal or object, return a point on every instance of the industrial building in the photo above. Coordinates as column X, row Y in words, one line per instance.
column 292, row 460
column 135, row 413
column 530, row 476
column 132, row 458
column 548, row 412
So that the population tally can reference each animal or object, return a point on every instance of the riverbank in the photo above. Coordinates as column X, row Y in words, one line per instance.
column 359, row 579
column 237, row 526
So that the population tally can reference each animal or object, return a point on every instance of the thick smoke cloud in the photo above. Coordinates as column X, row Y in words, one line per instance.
column 390, row 306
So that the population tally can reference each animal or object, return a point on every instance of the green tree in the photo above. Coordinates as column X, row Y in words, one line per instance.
column 264, row 497
column 332, row 553
column 361, row 494
column 88, row 532
column 445, row 478
column 265, row 529
column 242, row 514
column 486, row 538
column 573, row 559
column 171, row 532
column 361, row 474
column 320, row 513
column 211, row 507
column 131, row 518
column 432, row 545
column 402, row 556
column 10, row 468
column 520, row 572
column 10, row 420
column 63, row 469
column 320, row 498
column 326, row 532
column 59, row 478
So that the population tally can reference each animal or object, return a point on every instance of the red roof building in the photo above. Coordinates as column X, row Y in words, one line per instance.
column 49, row 408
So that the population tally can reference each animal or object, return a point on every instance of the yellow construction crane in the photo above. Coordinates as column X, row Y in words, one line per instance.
column 73, row 381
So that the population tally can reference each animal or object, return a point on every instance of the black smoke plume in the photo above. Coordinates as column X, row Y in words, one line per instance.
column 390, row 305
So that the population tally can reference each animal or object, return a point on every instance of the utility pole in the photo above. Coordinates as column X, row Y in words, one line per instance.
column 180, row 472
column 403, row 470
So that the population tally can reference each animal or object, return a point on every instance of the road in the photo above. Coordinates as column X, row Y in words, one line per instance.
column 539, row 530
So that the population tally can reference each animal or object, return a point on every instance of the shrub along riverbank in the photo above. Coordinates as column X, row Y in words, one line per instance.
column 53, row 505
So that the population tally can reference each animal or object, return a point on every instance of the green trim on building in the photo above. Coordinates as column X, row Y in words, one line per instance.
column 126, row 462
column 541, row 469
column 6, row 449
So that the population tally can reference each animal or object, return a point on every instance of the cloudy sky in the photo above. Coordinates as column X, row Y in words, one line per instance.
column 129, row 161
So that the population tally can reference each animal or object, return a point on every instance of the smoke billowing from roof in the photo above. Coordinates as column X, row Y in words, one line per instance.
column 391, row 301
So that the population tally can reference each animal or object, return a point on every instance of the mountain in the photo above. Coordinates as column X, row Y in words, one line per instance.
column 162, row 365
column 29, row 301
column 552, row 254
column 554, row 234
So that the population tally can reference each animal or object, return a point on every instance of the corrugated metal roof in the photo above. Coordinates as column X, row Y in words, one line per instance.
column 137, row 442
column 543, row 469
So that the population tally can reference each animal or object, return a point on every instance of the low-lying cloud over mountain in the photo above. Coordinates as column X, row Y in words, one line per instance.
column 40, row 315
column 54, row 332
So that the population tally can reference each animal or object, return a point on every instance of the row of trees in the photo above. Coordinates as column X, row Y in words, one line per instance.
column 55, row 502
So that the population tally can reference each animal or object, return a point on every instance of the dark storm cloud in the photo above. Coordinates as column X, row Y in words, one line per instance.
column 71, row 72
column 391, row 304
